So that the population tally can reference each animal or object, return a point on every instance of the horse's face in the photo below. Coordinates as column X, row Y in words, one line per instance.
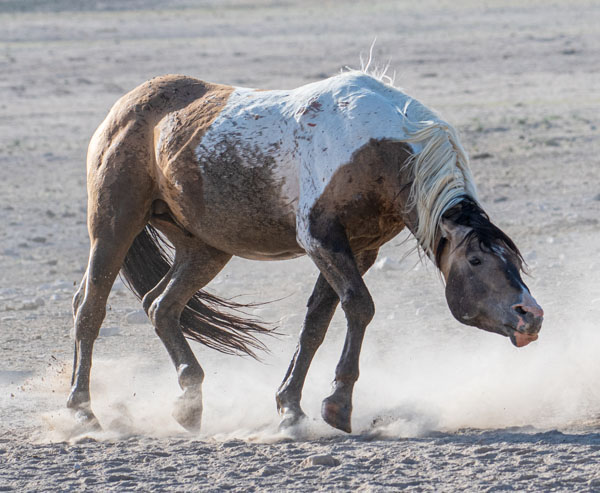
column 484, row 286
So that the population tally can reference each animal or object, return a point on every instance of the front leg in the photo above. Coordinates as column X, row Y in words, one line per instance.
column 330, row 251
column 321, row 307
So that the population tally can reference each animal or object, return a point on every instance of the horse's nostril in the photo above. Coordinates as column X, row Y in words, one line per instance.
column 520, row 311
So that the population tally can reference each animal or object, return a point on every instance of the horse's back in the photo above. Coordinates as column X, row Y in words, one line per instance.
column 241, row 168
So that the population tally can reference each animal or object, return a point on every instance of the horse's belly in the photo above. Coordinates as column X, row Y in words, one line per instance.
column 249, row 230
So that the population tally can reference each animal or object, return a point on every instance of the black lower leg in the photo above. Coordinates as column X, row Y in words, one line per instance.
column 321, row 307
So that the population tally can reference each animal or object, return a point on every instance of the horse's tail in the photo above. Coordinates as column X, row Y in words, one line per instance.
column 148, row 261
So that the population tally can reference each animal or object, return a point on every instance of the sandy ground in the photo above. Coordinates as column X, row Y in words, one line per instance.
column 439, row 406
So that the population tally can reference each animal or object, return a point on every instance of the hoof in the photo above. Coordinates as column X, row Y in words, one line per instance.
column 291, row 418
column 337, row 414
column 188, row 410
column 79, row 404
column 86, row 419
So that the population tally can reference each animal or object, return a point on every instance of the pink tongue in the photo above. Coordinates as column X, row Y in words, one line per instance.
column 524, row 339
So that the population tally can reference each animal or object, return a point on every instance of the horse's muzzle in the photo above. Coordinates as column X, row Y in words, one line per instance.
column 530, row 317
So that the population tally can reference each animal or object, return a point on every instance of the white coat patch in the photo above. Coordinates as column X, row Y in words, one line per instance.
column 311, row 131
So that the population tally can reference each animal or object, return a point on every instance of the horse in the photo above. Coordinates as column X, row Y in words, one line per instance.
column 184, row 174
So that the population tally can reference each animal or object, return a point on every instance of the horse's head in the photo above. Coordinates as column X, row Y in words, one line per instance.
column 482, row 268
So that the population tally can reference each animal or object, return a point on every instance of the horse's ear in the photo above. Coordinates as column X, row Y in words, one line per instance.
column 452, row 231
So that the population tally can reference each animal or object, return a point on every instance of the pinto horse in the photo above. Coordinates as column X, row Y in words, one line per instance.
column 333, row 169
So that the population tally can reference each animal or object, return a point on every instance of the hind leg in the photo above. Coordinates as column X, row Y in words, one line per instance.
column 106, row 256
column 77, row 300
column 119, row 198
column 195, row 265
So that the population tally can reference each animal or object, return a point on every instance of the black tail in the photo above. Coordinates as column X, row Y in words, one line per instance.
column 148, row 261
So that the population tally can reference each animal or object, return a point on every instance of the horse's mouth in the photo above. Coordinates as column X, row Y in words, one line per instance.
column 518, row 338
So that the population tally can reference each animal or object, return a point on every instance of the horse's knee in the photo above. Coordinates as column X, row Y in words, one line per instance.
column 321, row 307
column 322, row 296
column 316, row 323
column 315, row 328
column 359, row 307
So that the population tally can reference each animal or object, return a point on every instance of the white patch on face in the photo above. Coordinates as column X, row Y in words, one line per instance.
column 500, row 252
column 311, row 131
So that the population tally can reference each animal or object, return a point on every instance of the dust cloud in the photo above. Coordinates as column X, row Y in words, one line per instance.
column 421, row 372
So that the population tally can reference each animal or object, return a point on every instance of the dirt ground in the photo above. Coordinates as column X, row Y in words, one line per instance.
column 439, row 406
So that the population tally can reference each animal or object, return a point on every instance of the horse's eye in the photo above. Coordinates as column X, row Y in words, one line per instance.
column 474, row 261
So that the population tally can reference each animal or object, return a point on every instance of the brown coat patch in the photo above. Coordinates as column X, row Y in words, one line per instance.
column 175, row 138
column 367, row 196
column 243, row 211
column 226, row 195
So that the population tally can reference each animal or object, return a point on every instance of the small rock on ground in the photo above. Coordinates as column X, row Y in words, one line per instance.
column 321, row 460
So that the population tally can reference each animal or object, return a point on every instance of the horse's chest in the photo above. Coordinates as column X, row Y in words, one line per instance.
column 366, row 197
column 368, row 223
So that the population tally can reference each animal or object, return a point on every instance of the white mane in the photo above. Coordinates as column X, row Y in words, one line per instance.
column 441, row 177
